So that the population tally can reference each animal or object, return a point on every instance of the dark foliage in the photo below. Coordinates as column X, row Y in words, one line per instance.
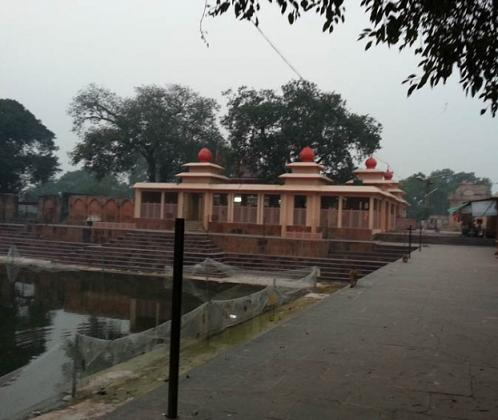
column 26, row 148
column 157, row 129
column 271, row 128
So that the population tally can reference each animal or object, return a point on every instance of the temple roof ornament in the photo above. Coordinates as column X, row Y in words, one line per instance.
column 305, row 172
column 205, row 155
column 371, row 163
column 307, row 154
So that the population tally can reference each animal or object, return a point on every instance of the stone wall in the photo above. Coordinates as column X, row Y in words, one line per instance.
column 105, row 209
column 154, row 224
column 245, row 228
column 346, row 233
column 271, row 245
column 68, row 233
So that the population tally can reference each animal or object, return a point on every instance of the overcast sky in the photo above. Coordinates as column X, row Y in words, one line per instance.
column 52, row 48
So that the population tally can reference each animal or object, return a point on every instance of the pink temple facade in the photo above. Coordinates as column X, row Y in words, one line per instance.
column 307, row 204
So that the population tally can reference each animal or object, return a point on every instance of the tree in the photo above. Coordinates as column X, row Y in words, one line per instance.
column 429, row 194
column 80, row 182
column 26, row 148
column 447, row 35
column 159, row 127
column 271, row 128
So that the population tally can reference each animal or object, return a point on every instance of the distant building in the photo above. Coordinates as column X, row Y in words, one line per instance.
column 466, row 191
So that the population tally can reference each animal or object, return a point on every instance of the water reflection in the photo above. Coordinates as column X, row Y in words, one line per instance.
column 40, row 310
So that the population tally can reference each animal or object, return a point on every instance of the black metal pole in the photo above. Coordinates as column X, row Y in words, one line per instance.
column 410, row 241
column 176, row 320
column 420, row 238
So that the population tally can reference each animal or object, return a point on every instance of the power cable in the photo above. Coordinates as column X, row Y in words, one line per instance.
column 277, row 51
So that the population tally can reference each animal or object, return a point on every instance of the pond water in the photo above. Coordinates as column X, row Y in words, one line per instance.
column 39, row 311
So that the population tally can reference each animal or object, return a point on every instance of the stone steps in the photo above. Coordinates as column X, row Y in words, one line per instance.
column 148, row 252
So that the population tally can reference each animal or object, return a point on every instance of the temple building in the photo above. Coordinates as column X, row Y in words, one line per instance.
column 305, row 205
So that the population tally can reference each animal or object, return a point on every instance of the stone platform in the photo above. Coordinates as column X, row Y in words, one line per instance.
column 413, row 341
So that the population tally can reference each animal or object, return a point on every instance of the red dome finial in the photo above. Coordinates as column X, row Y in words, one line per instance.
column 205, row 155
column 371, row 163
column 388, row 175
column 307, row 154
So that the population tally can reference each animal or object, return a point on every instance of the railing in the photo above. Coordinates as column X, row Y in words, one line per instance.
column 271, row 216
column 170, row 211
column 328, row 218
column 355, row 219
column 245, row 214
column 150, row 211
column 220, row 214
column 300, row 217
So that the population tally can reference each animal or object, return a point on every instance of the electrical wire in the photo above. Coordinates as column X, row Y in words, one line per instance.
column 277, row 51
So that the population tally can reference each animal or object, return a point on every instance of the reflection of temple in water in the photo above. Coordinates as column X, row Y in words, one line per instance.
column 143, row 302
column 101, row 305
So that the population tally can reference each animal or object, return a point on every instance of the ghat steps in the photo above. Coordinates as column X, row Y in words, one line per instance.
column 150, row 252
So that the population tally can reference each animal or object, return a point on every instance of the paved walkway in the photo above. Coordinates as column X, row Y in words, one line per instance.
column 414, row 341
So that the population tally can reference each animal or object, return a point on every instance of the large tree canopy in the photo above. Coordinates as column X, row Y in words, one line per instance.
column 429, row 194
column 159, row 127
column 448, row 35
column 270, row 128
column 26, row 148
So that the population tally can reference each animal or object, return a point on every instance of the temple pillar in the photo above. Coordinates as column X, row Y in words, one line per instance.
column 313, row 212
column 207, row 209
column 230, row 207
column 138, row 204
column 180, row 204
column 261, row 209
column 339, row 212
column 383, row 215
column 371, row 213
column 389, row 216
column 161, row 215
column 284, row 213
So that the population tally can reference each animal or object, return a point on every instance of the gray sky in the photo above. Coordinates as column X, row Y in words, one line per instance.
column 52, row 48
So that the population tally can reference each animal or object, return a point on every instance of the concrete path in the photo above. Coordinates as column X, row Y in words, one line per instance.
column 414, row 341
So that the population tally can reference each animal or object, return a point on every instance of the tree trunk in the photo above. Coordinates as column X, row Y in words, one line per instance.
column 151, row 169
